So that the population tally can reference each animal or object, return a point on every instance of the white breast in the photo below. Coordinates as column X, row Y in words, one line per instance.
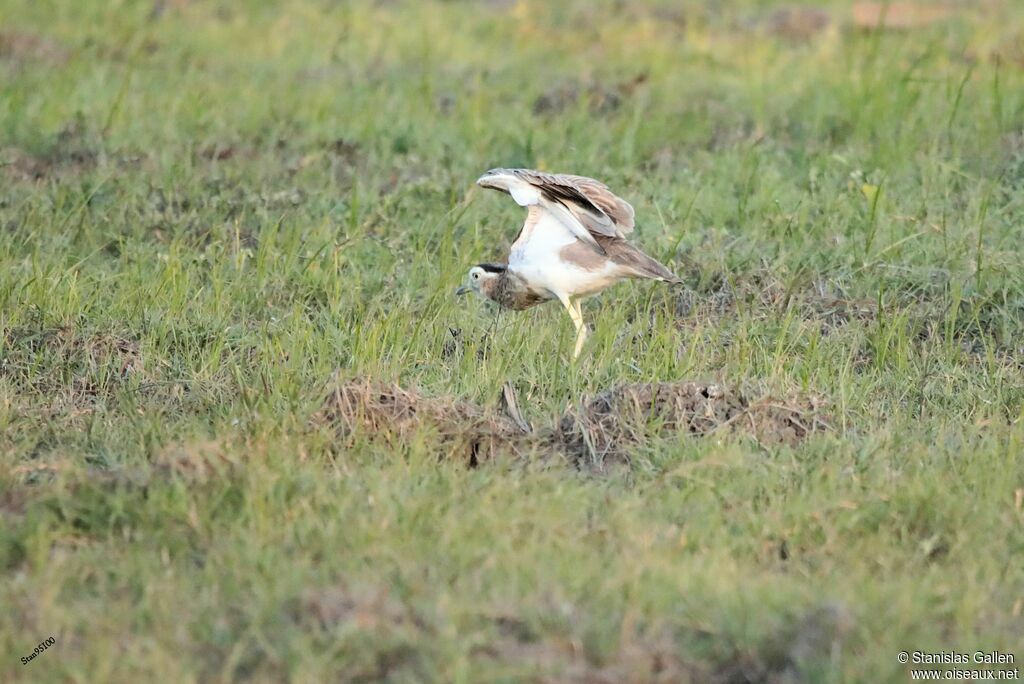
column 535, row 256
column 542, row 236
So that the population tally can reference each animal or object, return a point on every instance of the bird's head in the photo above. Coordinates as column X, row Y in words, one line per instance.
column 481, row 279
column 493, row 178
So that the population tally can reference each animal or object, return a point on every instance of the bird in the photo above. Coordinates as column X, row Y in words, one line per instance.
column 572, row 245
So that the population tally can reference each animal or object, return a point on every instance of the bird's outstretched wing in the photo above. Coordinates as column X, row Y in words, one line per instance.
column 586, row 206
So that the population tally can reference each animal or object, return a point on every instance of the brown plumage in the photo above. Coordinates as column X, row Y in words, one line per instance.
column 512, row 292
column 642, row 265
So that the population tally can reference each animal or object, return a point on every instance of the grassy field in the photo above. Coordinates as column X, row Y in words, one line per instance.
column 212, row 214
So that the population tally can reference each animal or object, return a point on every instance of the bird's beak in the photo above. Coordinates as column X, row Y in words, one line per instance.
column 465, row 289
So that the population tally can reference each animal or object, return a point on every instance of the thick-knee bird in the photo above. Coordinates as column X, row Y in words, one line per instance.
column 572, row 245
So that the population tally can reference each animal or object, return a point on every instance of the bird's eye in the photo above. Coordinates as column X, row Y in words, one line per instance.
column 476, row 276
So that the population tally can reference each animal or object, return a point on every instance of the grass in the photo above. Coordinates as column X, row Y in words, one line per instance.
column 208, row 210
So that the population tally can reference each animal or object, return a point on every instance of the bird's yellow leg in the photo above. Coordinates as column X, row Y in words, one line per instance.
column 576, row 315
column 581, row 328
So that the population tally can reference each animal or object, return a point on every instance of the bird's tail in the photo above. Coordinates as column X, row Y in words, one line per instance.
column 658, row 271
column 639, row 265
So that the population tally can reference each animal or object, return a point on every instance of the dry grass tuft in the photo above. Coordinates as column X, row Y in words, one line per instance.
column 387, row 411
column 608, row 427
column 612, row 423
column 87, row 366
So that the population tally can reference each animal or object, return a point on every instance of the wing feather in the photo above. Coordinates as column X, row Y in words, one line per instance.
column 529, row 195
column 603, row 208
column 586, row 206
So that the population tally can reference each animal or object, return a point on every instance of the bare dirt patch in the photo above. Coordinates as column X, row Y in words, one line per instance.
column 612, row 423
